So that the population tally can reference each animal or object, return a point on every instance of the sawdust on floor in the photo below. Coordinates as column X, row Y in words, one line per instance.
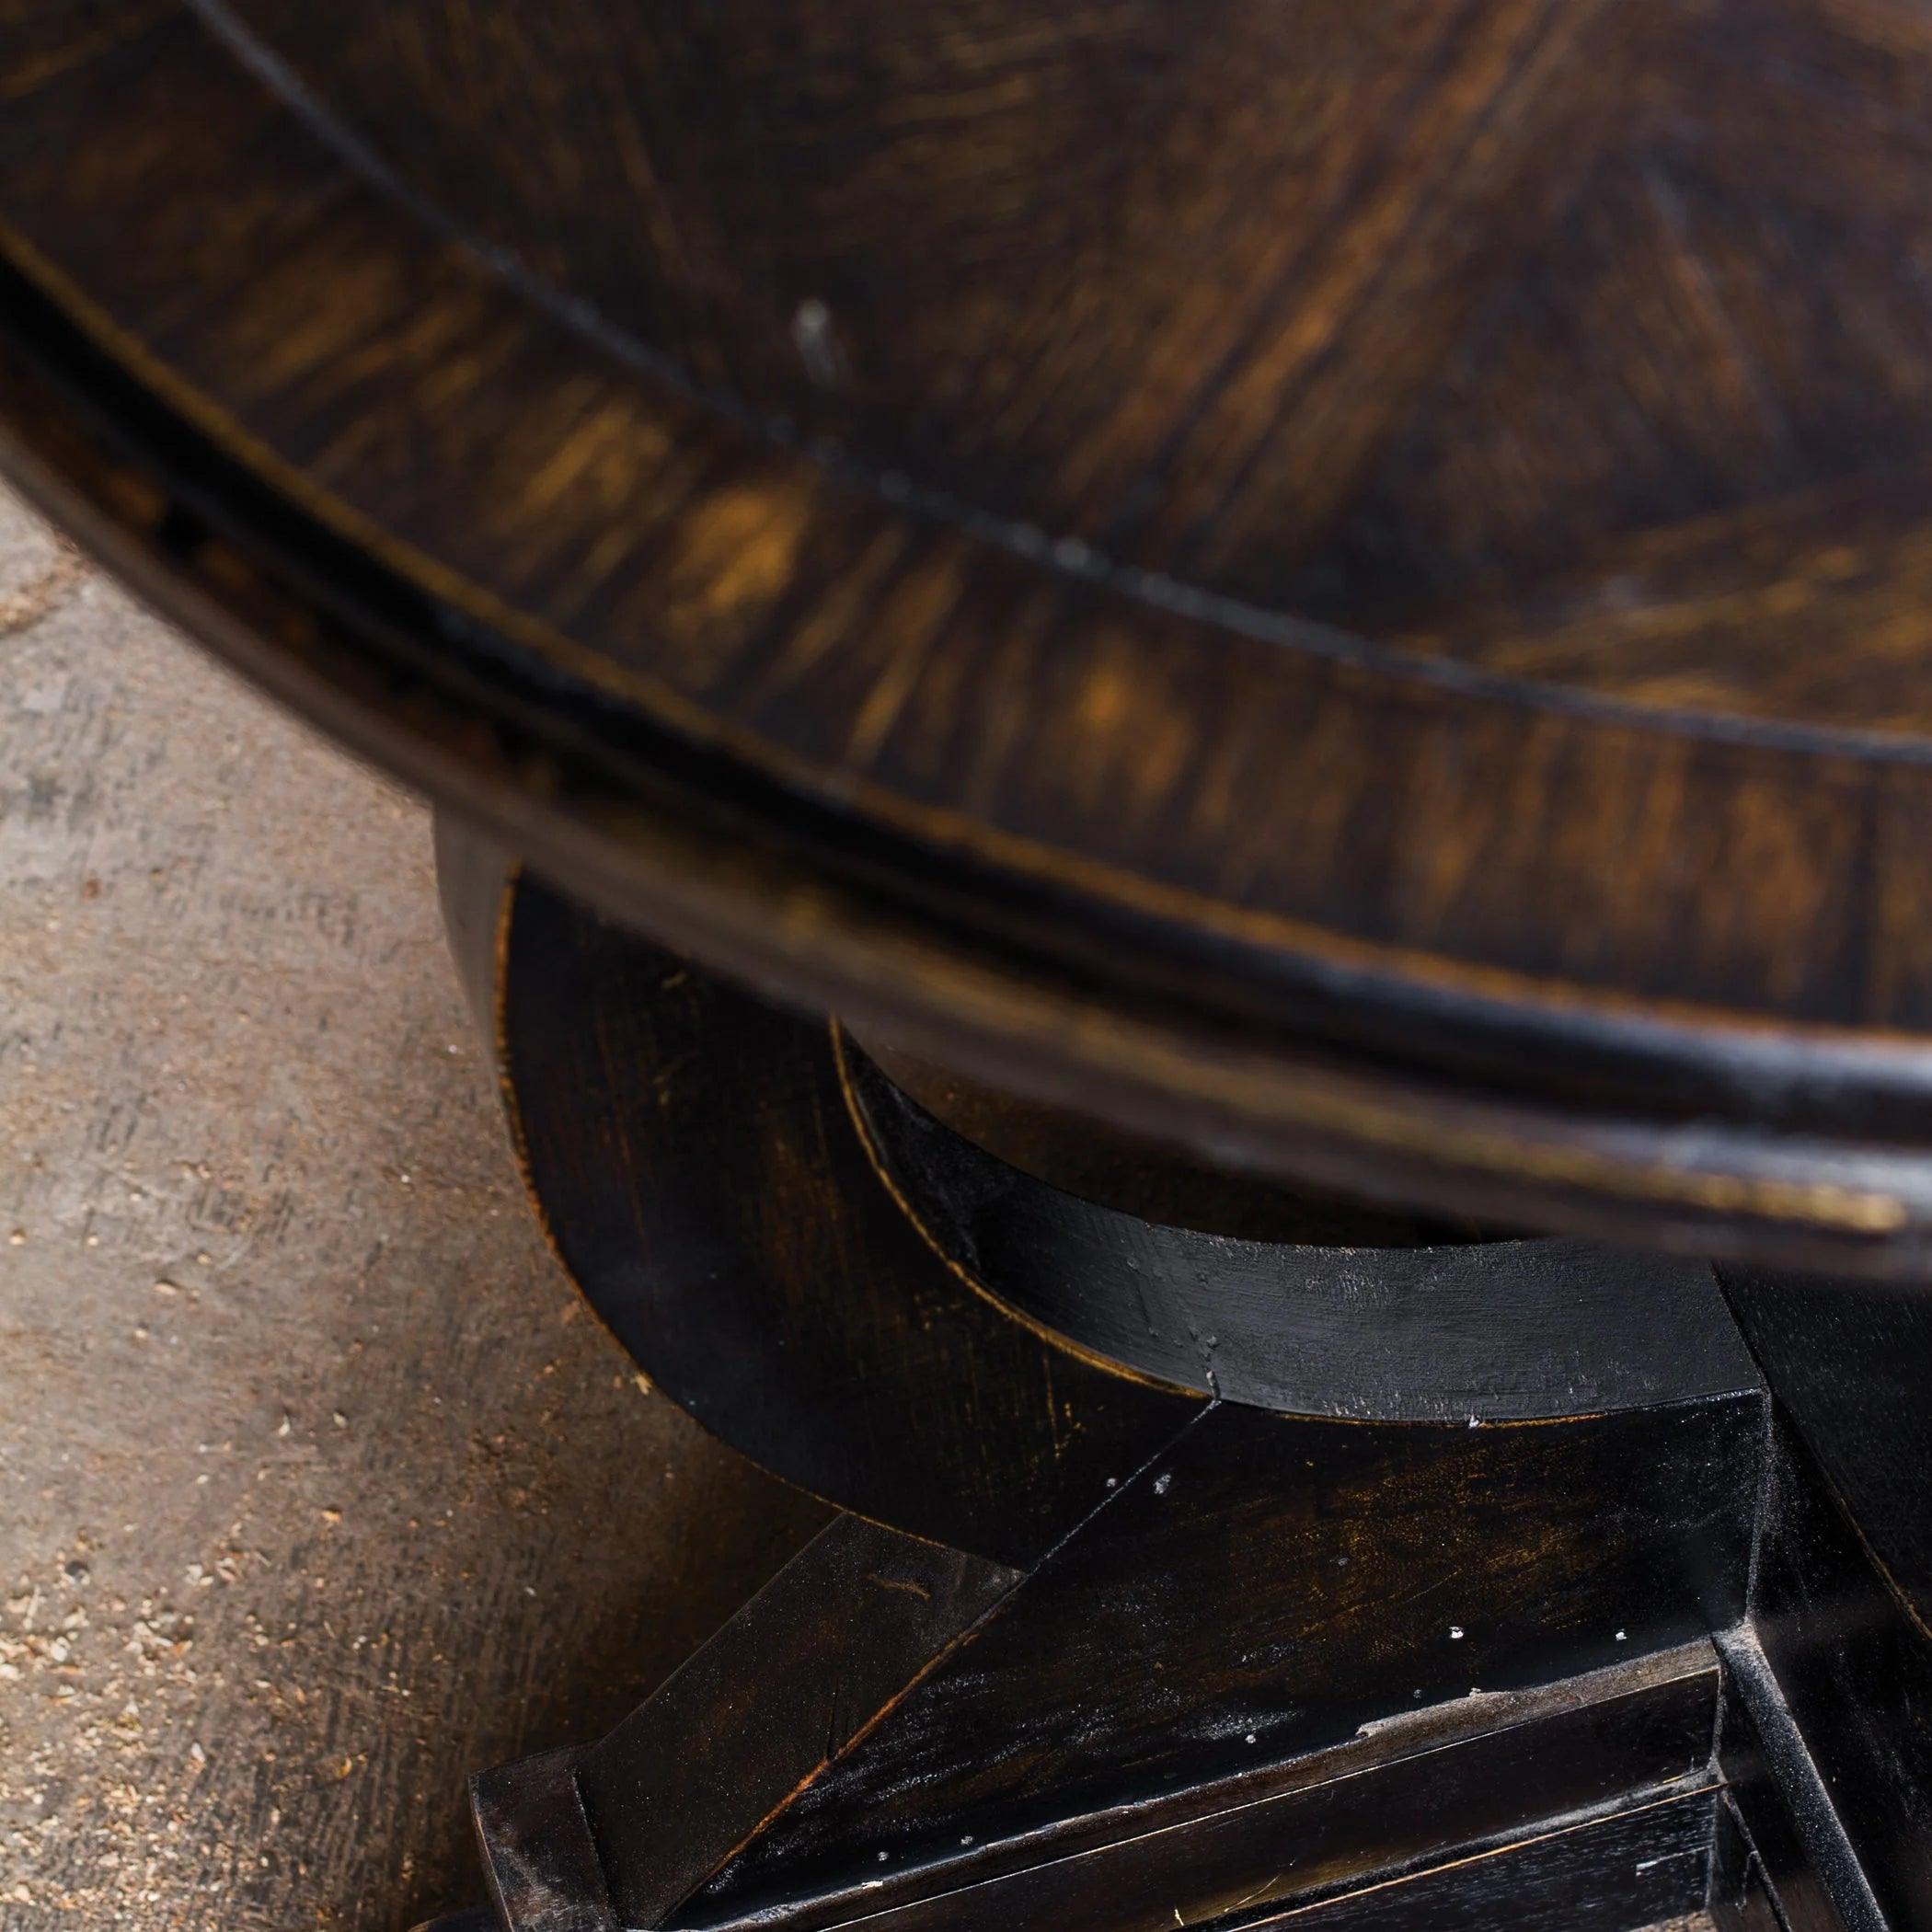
column 319, row 1487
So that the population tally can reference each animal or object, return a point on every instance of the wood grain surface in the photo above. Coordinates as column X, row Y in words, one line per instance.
column 1392, row 535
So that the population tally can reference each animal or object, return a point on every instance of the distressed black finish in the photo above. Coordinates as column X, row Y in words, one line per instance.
column 1613, row 1768
column 1264, row 1588
column 1255, row 1631
column 1850, row 1360
column 704, row 1181
column 1844, row 1580
column 1496, row 1330
column 859, row 1615
column 1740, row 1896
column 1852, row 1668
column 1643, row 1866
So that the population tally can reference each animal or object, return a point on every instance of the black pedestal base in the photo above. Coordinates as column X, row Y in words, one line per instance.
column 1480, row 1600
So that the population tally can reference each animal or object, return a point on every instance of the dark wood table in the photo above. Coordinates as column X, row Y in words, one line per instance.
column 1314, row 623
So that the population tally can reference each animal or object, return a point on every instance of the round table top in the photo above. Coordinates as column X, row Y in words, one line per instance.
column 1350, row 583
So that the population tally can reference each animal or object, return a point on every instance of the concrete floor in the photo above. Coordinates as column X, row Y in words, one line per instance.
column 319, row 1487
